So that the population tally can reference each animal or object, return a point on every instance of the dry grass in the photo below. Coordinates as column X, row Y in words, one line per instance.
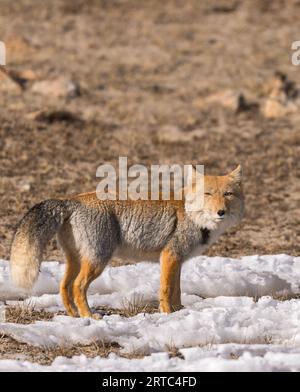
column 135, row 305
column 276, row 296
column 285, row 297
column 26, row 314
column 174, row 351
column 12, row 349
column 234, row 356
column 210, row 345
column 130, row 308
column 265, row 339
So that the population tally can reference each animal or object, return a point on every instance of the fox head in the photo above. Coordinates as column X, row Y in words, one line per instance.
column 218, row 202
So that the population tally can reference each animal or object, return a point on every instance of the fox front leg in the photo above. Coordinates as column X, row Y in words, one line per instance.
column 170, row 293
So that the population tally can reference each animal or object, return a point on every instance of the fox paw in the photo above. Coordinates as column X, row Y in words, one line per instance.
column 163, row 308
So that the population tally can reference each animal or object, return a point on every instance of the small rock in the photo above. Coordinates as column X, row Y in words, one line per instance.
column 172, row 134
column 59, row 88
column 282, row 97
column 89, row 113
column 23, row 77
column 52, row 116
column 33, row 115
column 273, row 108
column 24, row 186
column 229, row 99
column 27, row 74
column 7, row 84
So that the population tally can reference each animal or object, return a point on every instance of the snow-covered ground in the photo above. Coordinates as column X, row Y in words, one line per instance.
column 230, row 321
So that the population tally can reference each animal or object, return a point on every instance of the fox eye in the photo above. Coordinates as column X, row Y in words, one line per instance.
column 228, row 194
column 207, row 194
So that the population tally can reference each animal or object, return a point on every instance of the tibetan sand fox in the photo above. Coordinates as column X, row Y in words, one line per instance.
column 91, row 231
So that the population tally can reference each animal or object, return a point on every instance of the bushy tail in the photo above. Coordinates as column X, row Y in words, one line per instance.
column 32, row 235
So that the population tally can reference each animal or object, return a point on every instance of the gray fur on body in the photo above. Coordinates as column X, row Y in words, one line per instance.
column 99, row 233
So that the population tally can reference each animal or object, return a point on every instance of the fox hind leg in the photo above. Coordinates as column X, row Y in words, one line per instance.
column 66, row 286
column 88, row 272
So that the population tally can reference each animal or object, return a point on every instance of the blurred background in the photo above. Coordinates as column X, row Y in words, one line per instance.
column 206, row 82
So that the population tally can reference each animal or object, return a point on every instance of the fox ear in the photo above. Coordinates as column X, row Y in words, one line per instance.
column 237, row 174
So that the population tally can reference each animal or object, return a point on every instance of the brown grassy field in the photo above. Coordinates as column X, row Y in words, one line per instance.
column 142, row 72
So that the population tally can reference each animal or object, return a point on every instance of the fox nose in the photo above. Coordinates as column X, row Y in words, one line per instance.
column 221, row 212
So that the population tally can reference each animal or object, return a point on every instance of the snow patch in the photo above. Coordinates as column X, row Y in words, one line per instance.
column 230, row 321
